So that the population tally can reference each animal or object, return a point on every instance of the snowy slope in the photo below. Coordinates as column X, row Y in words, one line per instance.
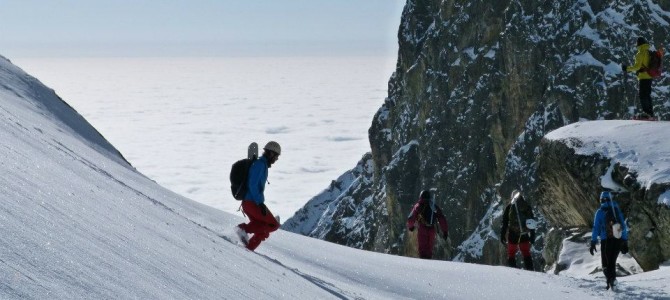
column 77, row 221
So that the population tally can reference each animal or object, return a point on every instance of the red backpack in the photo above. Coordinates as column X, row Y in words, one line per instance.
column 655, row 67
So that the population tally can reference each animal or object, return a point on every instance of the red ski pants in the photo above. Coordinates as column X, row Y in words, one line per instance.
column 513, row 248
column 426, row 239
column 259, row 225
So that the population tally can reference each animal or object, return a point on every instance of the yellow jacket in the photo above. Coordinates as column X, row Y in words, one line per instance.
column 641, row 62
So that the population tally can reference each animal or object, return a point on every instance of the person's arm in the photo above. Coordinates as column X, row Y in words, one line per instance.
column 640, row 58
column 444, row 226
column 624, row 234
column 256, row 183
column 411, row 218
column 595, row 233
column 532, row 231
column 505, row 223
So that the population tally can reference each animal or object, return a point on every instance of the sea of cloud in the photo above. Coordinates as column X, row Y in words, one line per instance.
column 184, row 121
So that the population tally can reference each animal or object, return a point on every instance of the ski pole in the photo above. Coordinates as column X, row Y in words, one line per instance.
column 630, row 108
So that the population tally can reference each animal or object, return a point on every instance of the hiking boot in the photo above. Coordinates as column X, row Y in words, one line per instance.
column 242, row 234
column 511, row 262
column 528, row 263
column 644, row 117
column 254, row 242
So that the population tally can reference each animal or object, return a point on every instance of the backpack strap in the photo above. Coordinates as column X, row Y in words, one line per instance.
column 421, row 214
column 616, row 216
column 431, row 205
column 518, row 218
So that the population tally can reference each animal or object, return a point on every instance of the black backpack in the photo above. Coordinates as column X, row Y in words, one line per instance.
column 426, row 215
column 238, row 177
column 519, row 212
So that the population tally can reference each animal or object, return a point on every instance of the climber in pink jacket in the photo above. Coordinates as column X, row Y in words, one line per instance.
column 427, row 214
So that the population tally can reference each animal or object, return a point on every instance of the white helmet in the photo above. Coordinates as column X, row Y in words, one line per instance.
column 273, row 146
column 531, row 224
column 515, row 195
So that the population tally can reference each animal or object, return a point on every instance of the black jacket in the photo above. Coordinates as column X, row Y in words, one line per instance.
column 511, row 232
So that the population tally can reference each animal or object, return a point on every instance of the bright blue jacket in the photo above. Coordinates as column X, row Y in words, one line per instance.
column 599, row 229
column 258, row 175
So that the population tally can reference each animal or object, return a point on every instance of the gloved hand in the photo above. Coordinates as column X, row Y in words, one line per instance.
column 411, row 228
column 624, row 247
column 593, row 248
column 624, row 67
column 264, row 209
column 503, row 240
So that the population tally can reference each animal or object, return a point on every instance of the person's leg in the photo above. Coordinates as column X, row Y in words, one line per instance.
column 265, row 226
column 608, row 253
column 603, row 260
column 252, row 211
column 527, row 257
column 257, row 221
column 426, row 236
column 645, row 97
column 612, row 251
column 511, row 254
column 259, row 225
column 256, row 240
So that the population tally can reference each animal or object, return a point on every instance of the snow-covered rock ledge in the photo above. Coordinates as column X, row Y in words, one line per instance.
column 630, row 157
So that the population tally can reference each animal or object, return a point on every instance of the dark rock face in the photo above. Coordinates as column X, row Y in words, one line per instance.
column 340, row 214
column 477, row 86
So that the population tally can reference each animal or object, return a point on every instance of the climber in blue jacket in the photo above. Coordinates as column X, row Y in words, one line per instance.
column 261, row 220
column 610, row 227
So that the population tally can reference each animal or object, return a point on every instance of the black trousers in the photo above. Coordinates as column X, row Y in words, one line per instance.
column 609, row 251
column 645, row 97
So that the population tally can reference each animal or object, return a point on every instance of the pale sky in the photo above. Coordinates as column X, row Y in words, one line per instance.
column 198, row 27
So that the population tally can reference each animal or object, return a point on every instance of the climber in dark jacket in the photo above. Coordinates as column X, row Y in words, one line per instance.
column 427, row 214
column 518, row 230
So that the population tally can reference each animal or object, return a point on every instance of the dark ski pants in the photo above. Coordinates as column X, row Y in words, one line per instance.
column 259, row 225
column 645, row 97
column 426, row 239
column 609, row 251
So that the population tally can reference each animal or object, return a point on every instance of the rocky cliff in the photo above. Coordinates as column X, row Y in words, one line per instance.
column 477, row 86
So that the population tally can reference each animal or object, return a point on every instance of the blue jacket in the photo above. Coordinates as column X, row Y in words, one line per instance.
column 599, row 229
column 258, row 175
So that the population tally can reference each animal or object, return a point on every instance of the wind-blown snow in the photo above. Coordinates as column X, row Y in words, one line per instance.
column 641, row 146
column 78, row 222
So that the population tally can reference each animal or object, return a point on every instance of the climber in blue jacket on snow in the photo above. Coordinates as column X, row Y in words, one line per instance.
column 261, row 221
column 610, row 227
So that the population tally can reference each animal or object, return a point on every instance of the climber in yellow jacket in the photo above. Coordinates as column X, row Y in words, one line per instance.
column 644, row 79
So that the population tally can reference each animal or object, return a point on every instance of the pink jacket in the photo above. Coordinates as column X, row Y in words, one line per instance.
column 438, row 217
